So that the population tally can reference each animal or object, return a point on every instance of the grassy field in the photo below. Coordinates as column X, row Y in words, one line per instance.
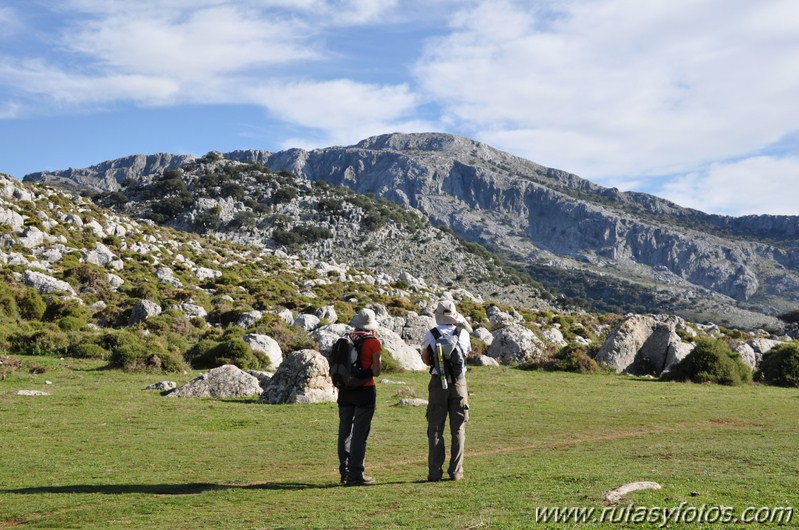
column 101, row 452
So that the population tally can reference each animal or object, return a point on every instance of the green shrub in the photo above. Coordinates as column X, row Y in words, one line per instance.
column 48, row 340
column 71, row 323
column 89, row 350
column 60, row 308
column 31, row 304
column 711, row 361
column 198, row 355
column 780, row 365
column 8, row 302
column 233, row 350
column 132, row 352
column 389, row 364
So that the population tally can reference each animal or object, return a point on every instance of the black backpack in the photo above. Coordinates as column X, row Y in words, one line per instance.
column 450, row 365
column 345, row 364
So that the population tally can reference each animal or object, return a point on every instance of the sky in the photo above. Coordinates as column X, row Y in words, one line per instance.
column 695, row 101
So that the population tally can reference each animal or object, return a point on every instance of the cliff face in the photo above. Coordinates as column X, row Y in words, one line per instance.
column 541, row 217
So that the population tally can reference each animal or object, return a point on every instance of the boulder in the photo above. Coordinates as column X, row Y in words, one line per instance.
column 306, row 322
column 100, row 256
column 415, row 328
column 227, row 381
column 250, row 318
column 262, row 377
column 327, row 313
column 143, row 310
column 165, row 275
column 12, row 219
column 499, row 319
column 643, row 345
column 31, row 237
column 748, row 355
column 411, row 402
column 96, row 228
column 484, row 335
column 555, row 336
column 302, row 377
column 191, row 310
column 515, row 344
column 326, row 336
column 163, row 386
column 46, row 284
column 266, row 345
column 406, row 356
column 204, row 273
column 483, row 360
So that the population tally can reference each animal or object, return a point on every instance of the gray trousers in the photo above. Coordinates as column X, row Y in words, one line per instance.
column 453, row 402
column 353, row 429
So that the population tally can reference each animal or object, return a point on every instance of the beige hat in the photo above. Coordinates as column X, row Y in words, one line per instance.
column 447, row 313
column 365, row 319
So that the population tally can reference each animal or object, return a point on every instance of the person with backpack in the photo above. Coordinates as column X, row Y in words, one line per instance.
column 444, row 350
column 354, row 362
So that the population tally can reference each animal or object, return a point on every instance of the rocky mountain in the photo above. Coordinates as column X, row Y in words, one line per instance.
column 606, row 249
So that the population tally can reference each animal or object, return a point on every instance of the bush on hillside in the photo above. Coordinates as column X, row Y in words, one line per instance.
column 47, row 340
column 132, row 352
column 712, row 361
column 389, row 365
column 89, row 350
column 780, row 365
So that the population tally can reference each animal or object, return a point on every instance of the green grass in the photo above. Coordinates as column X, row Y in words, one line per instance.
column 101, row 452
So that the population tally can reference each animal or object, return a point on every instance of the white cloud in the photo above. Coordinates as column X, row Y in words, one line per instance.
column 74, row 89
column 620, row 87
column 758, row 185
column 342, row 111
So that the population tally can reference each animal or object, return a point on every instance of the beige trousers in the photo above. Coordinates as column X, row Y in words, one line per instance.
column 453, row 402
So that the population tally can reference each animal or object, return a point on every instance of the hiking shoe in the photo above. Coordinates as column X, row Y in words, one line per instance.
column 363, row 480
column 433, row 478
column 456, row 476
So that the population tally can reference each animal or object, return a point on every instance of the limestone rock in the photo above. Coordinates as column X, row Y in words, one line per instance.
column 406, row 356
column 484, row 360
column 643, row 345
column 411, row 402
column 306, row 322
column 227, row 381
column 100, row 256
column 165, row 275
column 266, row 345
column 484, row 335
column 12, row 219
column 249, row 318
column 615, row 495
column 143, row 310
column 46, row 284
column 31, row 237
column 32, row 393
column 163, row 386
column 514, row 344
column 327, row 313
column 302, row 377
column 326, row 336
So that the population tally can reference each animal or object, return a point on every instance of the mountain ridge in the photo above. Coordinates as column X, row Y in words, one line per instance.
column 540, row 216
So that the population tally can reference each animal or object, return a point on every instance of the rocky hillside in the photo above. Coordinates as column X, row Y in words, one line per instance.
column 80, row 280
column 605, row 249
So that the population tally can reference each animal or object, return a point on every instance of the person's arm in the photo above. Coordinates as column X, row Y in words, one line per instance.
column 426, row 349
column 377, row 362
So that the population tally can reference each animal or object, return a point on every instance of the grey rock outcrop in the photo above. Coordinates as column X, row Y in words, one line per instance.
column 406, row 356
column 143, row 310
column 163, row 386
column 306, row 322
column 644, row 345
column 326, row 336
column 250, row 318
column 515, row 344
column 227, row 381
column 266, row 345
column 46, row 284
column 303, row 377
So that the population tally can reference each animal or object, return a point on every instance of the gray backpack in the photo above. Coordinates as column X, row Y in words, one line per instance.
column 448, row 356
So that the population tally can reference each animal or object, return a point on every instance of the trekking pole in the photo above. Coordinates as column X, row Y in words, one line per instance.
column 440, row 365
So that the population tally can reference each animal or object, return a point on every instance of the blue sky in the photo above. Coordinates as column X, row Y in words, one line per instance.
column 691, row 100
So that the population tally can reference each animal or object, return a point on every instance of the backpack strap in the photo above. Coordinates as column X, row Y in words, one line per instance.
column 436, row 333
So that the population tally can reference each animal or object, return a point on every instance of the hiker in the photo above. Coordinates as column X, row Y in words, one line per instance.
column 448, row 397
column 356, row 404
